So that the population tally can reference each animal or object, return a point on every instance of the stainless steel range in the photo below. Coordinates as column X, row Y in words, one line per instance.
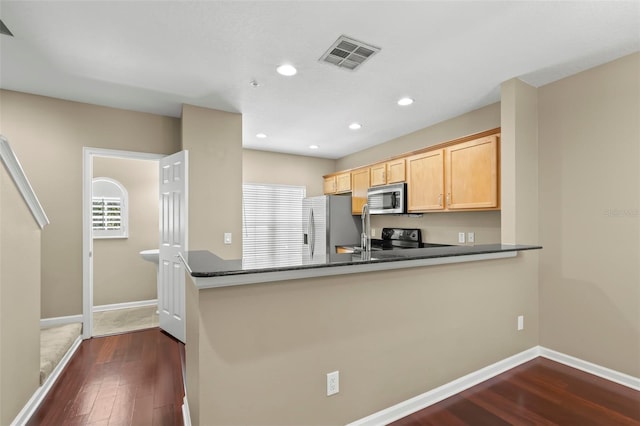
column 393, row 239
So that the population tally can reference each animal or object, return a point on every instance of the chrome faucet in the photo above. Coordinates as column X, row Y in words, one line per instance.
column 365, row 238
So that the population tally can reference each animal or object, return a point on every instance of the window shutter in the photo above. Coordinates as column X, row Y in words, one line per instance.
column 107, row 213
column 272, row 225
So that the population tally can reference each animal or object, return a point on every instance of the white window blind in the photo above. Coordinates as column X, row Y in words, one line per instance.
column 272, row 225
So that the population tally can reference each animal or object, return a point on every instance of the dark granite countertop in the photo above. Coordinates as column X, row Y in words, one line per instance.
column 202, row 263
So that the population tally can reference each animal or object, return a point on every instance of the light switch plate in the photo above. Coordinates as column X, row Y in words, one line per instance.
column 227, row 237
column 520, row 322
column 333, row 383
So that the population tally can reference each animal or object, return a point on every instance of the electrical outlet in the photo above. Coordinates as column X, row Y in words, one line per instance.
column 461, row 237
column 520, row 322
column 333, row 383
column 373, row 232
column 227, row 237
column 471, row 237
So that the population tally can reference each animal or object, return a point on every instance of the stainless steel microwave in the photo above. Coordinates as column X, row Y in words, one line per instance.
column 388, row 199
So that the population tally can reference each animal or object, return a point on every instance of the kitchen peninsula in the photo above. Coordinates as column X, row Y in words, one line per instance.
column 209, row 271
column 350, row 313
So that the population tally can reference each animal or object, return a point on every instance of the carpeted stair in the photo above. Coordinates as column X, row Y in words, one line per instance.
column 54, row 344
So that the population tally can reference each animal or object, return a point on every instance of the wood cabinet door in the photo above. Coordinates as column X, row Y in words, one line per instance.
column 378, row 174
column 425, row 181
column 329, row 186
column 396, row 171
column 343, row 182
column 359, row 187
column 472, row 174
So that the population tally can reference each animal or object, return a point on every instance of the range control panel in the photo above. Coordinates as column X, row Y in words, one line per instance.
column 402, row 234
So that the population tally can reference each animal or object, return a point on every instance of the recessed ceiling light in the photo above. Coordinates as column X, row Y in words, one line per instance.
column 405, row 101
column 287, row 70
column 355, row 126
column 313, row 147
column 261, row 136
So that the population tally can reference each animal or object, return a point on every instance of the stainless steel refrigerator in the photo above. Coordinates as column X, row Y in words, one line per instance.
column 326, row 223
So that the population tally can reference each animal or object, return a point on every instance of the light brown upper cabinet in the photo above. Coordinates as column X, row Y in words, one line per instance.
column 472, row 174
column 343, row 182
column 359, row 188
column 388, row 172
column 462, row 176
column 337, row 183
column 329, row 186
column 425, row 181
column 378, row 174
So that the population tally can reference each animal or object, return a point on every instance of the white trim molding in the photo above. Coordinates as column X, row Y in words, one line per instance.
column 15, row 170
column 41, row 393
column 463, row 383
column 440, row 393
column 591, row 368
column 125, row 305
column 52, row 322
column 186, row 414
column 88, row 155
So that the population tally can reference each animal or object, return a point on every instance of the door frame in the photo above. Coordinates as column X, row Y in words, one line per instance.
column 88, row 155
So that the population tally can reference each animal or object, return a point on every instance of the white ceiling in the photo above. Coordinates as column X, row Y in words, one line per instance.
column 450, row 56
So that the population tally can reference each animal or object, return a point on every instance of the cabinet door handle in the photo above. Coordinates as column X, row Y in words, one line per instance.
column 384, row 177
column 440, row 200
column 448, row 198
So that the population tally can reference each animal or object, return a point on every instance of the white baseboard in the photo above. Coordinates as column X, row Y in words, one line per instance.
column 591, row 368
column 186, row 415
column 40, row 394
column 440, row 393
column 52, row 322
column 125, row 305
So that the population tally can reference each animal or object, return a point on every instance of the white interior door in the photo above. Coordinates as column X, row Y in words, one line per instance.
column 173, row 240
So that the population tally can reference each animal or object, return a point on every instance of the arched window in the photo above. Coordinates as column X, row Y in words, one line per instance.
column 110, row 209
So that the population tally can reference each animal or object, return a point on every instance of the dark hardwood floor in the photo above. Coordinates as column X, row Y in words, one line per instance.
column 136, row 379
column 127, row 379
column 539, row 392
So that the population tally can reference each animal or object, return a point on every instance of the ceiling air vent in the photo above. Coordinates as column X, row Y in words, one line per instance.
column 4, row 30
column 348, row 53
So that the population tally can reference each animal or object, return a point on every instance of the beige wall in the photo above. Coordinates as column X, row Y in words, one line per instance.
column 19, row 300
column 119, row 273
column 443, row 228
column 519, row 163
column 48, row 135
column 467, row 124
column 192, row 350
column 392, row 335
column 214, row 141
column 590, row 225
column 285, row 169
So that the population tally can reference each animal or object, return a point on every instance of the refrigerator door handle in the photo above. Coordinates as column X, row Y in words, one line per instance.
column 312, row 232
